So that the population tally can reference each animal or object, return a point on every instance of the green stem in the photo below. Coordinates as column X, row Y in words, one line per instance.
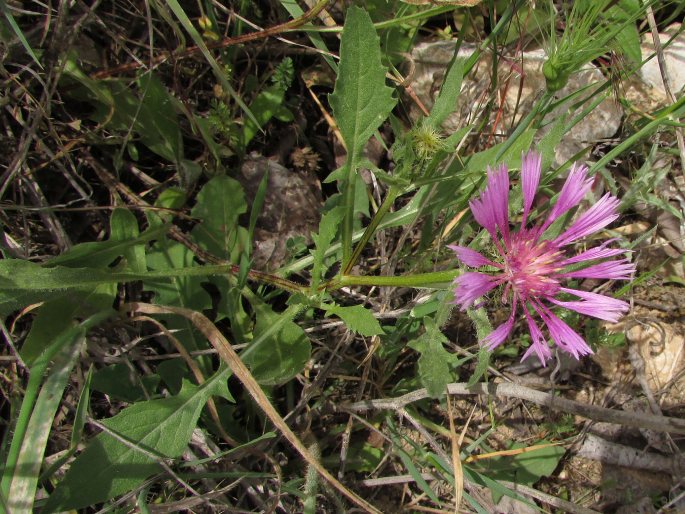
column 220, row 269
column 665, row 115
column 432, row 280
column 389, row 200
column 502, row 24
column 348, row 207
column 526, row 122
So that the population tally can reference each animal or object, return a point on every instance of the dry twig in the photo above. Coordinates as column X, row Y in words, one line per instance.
column 507, row 390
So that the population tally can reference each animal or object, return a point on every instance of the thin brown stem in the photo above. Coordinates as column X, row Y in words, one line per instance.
column 224, row 43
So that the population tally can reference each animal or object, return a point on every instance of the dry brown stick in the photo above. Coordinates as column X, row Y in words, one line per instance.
column 50, row 221
column 599, row 449
column 566, row 506
column 231, row 358
column 58, row 46
column 508, row 390
column 224, row 43
column 455, row 443
column 665, row 78
column 522, row 489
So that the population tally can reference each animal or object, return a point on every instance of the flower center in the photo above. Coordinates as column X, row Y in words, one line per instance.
column 530, row 266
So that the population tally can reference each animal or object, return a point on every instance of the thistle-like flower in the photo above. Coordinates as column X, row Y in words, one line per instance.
column 532, row 266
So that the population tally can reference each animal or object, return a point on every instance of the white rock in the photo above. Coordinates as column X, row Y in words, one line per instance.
column 674, row 57
column 523, row 82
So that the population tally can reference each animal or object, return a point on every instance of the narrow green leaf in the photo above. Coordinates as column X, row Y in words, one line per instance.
column 58, row 315
column 538, row 463
column 103, row 253
column 357, row 318
column 180, row 291
column 218, row 72
column 264, row 107
column 17, row 31
column 155, row 119
column 627, row 40
column 94, row 90
column 82, row 410
column 42, row 363
column 108, row 468
column 18, row 276
column 497, row 490
column 360, row 102
column 549, row 142
column 79, row 424
column 525, row 468
column 23, row 282
column 446, row 102
column 148, row 111
column 124, row 227
column 22, row 489
column 416, row 474
column 296, row 11
column 256, row 208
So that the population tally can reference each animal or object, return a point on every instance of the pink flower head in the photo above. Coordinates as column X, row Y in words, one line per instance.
column 532, row 268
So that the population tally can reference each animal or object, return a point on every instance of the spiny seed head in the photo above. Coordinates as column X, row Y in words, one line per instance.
column 426, row 140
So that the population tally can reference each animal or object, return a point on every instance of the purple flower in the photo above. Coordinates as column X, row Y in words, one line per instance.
column 532, row 266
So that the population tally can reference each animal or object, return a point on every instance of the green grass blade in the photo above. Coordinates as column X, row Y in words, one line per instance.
column 296, row 11
column 220, row 74
column 22, row 488
column 17, row 31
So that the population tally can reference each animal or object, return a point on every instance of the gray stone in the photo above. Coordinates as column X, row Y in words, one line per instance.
column 291, row 206
column 674, row 57
column 520, row 79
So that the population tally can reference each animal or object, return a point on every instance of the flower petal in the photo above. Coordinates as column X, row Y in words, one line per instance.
column 621, row 269
column 574, row 189
column 598, row 252
column 491, row 210
column 530, row 179
column 595, row 305
column 500, row 334
column 595, row 218
column 484, row 216
column 470, row 286
column 563, row 335
column 539, row 344
column 470, row 257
